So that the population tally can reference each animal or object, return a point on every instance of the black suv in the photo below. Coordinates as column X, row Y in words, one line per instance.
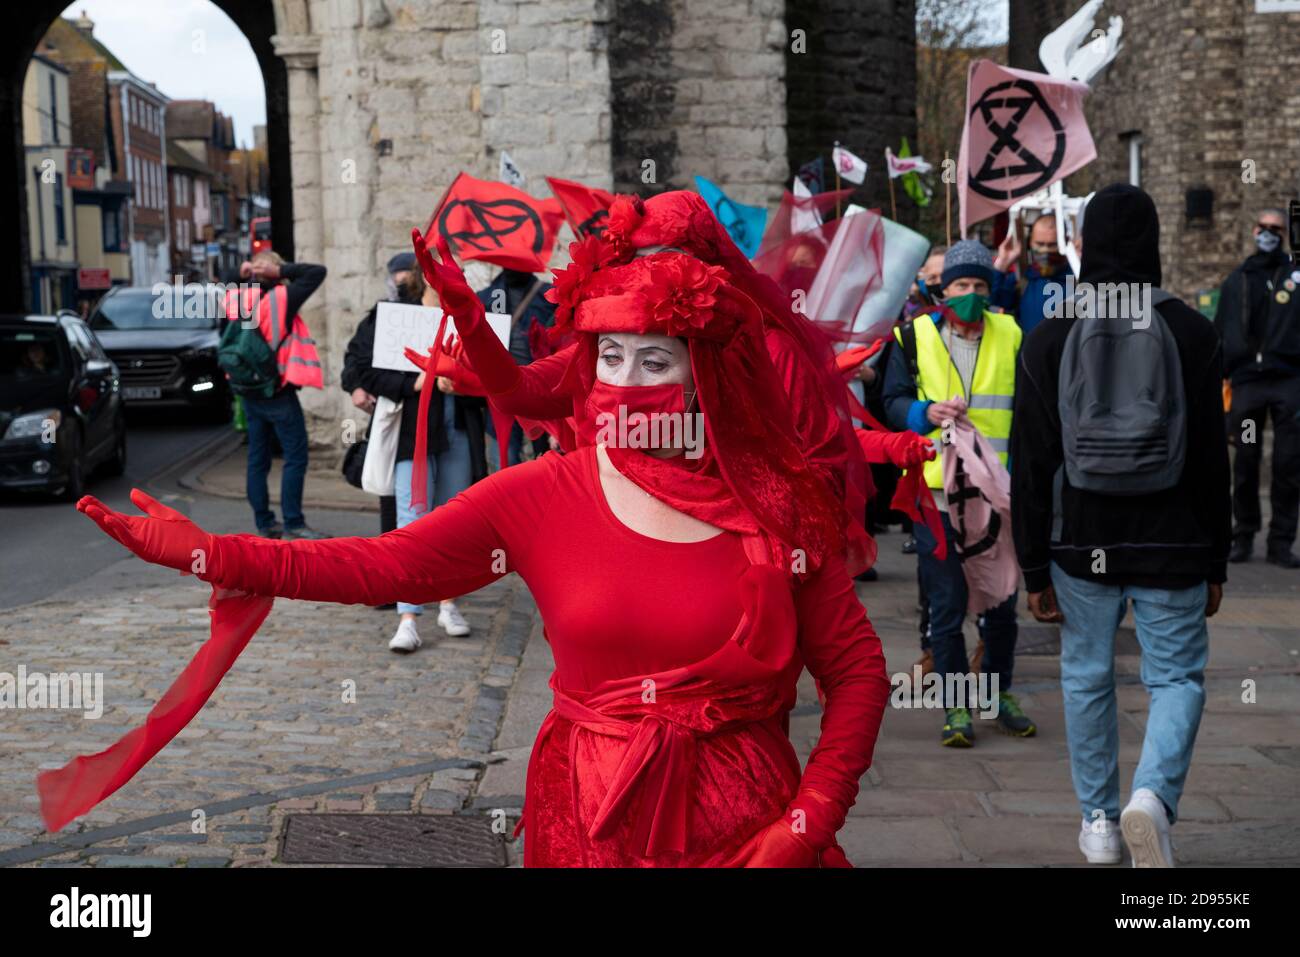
column 164, row 342
column 61, row 411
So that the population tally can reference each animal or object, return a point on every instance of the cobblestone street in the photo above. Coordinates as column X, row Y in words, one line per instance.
column 448, row 730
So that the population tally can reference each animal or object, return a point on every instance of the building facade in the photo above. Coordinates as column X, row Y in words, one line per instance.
column 1201, row 108
column 47, row 137
column 137, row 116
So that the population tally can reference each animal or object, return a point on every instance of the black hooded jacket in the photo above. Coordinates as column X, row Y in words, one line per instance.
column 1261, row 336
column 1172, row 539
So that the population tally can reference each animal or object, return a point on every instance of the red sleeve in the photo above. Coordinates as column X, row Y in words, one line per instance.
column 530, row 391
column 841, row 650
column 476, row 538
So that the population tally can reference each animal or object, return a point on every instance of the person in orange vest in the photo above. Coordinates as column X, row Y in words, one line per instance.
column 277, row 292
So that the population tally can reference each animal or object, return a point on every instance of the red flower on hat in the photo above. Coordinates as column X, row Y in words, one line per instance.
column 587, row 256
column 682, row 294
column 624, row 217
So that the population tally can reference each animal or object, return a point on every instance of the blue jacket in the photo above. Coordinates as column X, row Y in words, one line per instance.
column 1029, row 307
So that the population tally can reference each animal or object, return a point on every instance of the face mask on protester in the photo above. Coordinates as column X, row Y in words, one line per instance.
column 1046, row 262
column 969, row 308
column 645, row 399
column 1267, row 241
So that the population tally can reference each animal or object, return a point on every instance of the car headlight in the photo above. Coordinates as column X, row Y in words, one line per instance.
column 34, row 423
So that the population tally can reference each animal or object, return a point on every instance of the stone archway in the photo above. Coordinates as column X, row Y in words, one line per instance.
column 267, row 24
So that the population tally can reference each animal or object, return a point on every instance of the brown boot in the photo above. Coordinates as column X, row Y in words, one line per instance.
column 926, row 661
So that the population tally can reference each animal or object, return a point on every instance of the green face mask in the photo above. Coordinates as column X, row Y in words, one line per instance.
column 968, row 308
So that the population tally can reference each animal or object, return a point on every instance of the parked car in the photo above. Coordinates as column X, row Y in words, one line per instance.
column 165, row 345
column 61, row 412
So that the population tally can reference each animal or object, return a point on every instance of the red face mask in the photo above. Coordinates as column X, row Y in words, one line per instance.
column 622, row 403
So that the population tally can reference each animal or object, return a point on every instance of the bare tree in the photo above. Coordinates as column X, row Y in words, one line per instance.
column 949, row 35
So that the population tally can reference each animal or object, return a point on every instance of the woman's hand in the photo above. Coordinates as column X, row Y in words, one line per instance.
column 776, row 845
column 446, row 279
column 162, row 535
column 849, row 362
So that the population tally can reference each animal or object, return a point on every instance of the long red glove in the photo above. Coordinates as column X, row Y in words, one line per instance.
column 166, row 537
column 848, row 361
column 803, row 836
column 490, row 360
column 904, row 449
column 162, row 535
column 463, row 379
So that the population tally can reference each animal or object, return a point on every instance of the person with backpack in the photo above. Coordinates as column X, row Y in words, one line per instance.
column 1120, row 494
column 268, row 355
column 1257, row 322
column 956, row 361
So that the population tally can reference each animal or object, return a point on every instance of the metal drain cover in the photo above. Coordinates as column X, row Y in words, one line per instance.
column 392, row 840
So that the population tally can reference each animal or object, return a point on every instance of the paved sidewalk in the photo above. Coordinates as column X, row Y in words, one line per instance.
column 448, row 730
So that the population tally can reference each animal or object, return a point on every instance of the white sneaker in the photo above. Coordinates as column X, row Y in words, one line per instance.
column 1099, row 841
column 1146, row 830
column 405, row 638
column 452, row 621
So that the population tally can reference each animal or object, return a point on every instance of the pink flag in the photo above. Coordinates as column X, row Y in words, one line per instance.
column 1024, row 131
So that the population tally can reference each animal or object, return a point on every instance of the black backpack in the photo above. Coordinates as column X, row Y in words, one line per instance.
column 1122, row 404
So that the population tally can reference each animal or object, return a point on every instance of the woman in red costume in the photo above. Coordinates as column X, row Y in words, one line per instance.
column 813, row 388
column 682, row 593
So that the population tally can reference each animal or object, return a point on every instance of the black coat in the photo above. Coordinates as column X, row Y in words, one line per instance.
column 1261, row 336
column 1171, row 539
column 358, row 372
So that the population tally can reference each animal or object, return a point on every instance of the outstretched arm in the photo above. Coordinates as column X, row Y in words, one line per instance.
column 457, row 548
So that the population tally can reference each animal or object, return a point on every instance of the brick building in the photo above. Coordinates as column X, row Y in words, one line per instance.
column 190, row 207
column 207, row 135
column 1201, row 108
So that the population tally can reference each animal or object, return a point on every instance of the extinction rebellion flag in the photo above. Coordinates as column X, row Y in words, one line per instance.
column 497, row 223
column 585, row 207
column 1024, row 131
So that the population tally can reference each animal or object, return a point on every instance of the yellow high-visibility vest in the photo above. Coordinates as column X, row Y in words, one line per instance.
column 993, row 385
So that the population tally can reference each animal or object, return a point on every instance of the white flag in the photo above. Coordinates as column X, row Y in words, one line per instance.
column 509, row 172
column 901, row 166
column 850, row 167
column 802, row 220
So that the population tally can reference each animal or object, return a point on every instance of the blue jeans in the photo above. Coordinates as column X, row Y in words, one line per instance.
column 1175, row 644
column 281, row 415
column 943, row 583
column 448, row 476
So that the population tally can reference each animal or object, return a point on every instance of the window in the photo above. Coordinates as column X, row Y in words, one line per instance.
column 112, row 229
column 60, row 228
column 54, row 109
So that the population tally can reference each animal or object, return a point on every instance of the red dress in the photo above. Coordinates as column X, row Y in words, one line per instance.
column 675, row 663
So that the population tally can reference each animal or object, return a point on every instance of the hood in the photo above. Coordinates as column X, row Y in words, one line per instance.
column 157, row 340
column 1121, row 239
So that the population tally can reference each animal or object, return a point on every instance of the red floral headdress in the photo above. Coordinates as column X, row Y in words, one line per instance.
column 666, row 267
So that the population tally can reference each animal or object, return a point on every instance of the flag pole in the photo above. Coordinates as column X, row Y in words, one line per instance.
column 893, row 203
column 947, row 191
column 836, row 164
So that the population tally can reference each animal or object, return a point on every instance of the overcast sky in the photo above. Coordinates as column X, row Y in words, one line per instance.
column 157, row 41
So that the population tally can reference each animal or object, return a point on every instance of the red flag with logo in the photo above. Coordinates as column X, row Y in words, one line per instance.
column 497, row 223
column 1024, row 131
column 585, row 207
